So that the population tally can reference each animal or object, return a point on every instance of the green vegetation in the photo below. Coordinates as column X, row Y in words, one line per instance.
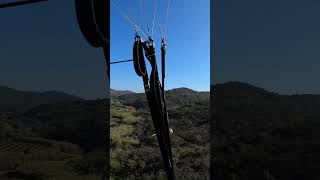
column 54, row 141
column 66, row 140
column 134, row 151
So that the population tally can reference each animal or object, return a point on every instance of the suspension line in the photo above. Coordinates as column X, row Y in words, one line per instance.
column 130, row 20
column 117, row 62
column 154, row 16
column 167, row 17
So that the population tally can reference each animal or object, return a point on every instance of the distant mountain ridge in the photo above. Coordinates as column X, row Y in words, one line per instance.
column 234, row 86
column 12, row 100
column 173, row 96
column 116, row 93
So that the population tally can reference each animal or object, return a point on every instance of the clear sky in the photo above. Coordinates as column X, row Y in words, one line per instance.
column 273, row 44
column 42, row 48
column 188, row 42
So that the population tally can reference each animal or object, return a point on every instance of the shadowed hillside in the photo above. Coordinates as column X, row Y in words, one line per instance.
column 257, row 134
column 51, row 135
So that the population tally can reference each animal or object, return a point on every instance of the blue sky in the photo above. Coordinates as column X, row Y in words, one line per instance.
column 42, row 49
column 272, row 44
column 188, row 43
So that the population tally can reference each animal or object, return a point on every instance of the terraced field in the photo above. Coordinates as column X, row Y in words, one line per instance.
column 21, row 147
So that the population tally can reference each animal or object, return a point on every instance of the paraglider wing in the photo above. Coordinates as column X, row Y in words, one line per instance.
column 92, row 20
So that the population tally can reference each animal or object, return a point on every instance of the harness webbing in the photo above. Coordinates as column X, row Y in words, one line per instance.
column 154, row 89
column 155, row 95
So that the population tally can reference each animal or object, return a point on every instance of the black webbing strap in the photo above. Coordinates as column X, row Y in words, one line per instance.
column 157, row 108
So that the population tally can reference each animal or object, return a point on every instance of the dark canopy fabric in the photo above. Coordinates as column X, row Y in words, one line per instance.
column 92, row 16
column 92, row 19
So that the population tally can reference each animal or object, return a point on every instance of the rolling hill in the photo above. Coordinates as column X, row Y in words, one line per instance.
column 258, row 134
column 71, row 123
column 12, row 100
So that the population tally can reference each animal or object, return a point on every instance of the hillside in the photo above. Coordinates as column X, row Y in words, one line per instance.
column 12, row 100
column 80, row 122
column 257, row 134
column 66, row 139
column 134, row 151
column 51, row 135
